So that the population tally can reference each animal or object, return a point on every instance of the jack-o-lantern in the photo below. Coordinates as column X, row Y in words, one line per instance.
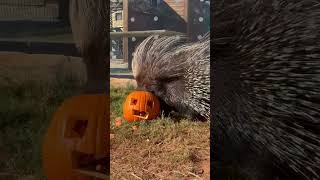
column 76, row 134
column 141, row 105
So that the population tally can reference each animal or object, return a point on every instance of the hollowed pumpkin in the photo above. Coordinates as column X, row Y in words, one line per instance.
column 141, row 105
column 77, row 133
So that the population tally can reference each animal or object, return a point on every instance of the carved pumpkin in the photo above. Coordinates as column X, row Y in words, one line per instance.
column 77, row 131
column 141, row 105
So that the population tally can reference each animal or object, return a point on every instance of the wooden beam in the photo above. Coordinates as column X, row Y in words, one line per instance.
column 64, row 11
column 34, row 47
column 125, row 29
column 187, row 16
column 126, row 34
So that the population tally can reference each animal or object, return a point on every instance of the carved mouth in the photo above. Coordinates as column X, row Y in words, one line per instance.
column 140, row 114
column 74, row 131
column 89, row 162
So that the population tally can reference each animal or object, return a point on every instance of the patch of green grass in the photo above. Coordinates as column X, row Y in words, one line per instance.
column 118, row 96
column 25, row 111
column 161, row 127
column 180, row 156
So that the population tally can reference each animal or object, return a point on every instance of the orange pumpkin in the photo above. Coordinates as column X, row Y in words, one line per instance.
column 141, row 105
column 79, row 126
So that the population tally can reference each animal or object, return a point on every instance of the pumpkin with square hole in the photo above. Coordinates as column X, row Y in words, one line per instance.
column 141, row 105
column 75, row 138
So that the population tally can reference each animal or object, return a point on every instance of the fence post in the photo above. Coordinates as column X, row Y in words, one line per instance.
column 125, row 29
column 64, row 11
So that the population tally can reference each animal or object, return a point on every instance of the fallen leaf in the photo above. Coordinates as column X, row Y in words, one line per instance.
column 118, row 122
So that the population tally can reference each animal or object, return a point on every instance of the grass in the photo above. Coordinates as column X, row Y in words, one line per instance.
column 117, row 97
column 159, row 148
column 25, row 111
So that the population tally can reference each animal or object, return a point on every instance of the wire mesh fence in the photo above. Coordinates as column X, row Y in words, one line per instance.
column 30, row 10
column 36, row 26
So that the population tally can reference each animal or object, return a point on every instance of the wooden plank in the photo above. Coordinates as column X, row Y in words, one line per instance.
column 35, row 39
column 64, row 11
column 187, row 16
column 67, row 49
column 125, row 41
column 178, row 7
column 114, row 35
column 173, row 2
column 91, row 173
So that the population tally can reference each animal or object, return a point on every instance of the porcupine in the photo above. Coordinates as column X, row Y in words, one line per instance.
column 177, row 72
column 266, row 87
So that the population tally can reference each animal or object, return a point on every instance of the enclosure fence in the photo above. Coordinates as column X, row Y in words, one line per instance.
column 30, row 10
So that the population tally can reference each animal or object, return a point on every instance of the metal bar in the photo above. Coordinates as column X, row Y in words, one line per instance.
column 115, row 35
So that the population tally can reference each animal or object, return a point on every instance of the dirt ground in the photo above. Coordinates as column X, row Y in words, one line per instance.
column 120, row 82
column 161, row 150
column 21, row 66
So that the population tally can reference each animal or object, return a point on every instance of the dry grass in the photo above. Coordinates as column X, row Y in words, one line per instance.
column 120, row 83
column 159, row 149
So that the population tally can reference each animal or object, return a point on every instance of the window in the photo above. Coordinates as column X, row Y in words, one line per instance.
column 118, row 16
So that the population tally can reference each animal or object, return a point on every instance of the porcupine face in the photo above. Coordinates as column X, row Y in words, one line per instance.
column 161, row 66
column 269, row 103
column 156, row 72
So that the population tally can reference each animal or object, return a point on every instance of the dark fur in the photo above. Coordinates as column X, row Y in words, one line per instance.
column 266, row 87
column 177, row 72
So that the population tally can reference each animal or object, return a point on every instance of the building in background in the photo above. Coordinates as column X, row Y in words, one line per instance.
column 191, row 17
column 116, row 25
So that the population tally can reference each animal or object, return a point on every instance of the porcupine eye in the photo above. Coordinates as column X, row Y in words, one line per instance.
column 167, row 80
column 165, row 84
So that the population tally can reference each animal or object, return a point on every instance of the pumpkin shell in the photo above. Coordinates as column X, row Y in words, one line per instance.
column 79, row 125
column 141, row 105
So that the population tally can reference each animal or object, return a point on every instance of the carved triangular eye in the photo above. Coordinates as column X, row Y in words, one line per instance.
column 133, row 101
column 150, row 104
column 80, row 127
column 75, row 128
